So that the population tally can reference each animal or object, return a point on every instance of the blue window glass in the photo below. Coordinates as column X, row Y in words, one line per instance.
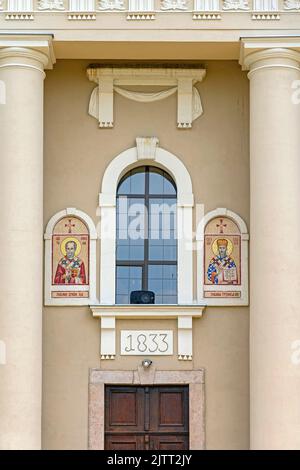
column 146, row 239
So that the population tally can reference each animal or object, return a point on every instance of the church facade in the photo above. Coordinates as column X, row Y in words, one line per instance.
column 150, row 162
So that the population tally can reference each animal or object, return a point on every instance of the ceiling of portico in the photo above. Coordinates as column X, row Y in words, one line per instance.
column 114, row 51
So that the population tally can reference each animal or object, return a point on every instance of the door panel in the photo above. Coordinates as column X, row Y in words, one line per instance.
column 169, row 409
column 138, row 418
column 169, row 442
column 127, row 442
column 124, row 409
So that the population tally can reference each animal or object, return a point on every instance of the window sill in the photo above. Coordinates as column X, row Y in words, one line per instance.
column 147, row 311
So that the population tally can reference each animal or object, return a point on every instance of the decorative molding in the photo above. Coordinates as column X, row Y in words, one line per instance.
column 140, row 16
column 236, row 5
column 206, row 16
column 292, row 4
column 51, row 5
column 108, row 338
column 173, row 5
column 129, row 158
column 107, row 203
column 150, row 311
column 142, row 97
column 81, row 16
column 38, row 48
column 19, row 10
column 111, row 5
column 269, row 49
column 184, row 315
column 146, row 147
column 141, row 10
column 265, row 16
column 63, row 294
column 265, row 10
column 223, row 294
column 185, row 338
column 82, row 10
column 195, row 379
column 109, row 79
column 19, row 16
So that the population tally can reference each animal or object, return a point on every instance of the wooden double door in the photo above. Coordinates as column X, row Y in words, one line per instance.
column 146, row 418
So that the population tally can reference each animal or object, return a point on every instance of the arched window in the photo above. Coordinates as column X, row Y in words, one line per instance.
column 146, row 238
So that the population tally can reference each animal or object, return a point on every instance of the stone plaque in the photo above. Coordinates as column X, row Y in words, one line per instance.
column 147, row 342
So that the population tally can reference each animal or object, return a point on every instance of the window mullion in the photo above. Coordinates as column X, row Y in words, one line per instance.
column 146, row 231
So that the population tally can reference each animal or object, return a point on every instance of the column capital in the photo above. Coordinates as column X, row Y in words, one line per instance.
column 271, row 52
column 21, row 49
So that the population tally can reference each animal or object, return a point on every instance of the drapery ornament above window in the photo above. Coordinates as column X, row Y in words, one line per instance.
column 197, row 109
column 113, row 79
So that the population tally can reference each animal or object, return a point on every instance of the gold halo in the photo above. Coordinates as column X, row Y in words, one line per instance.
column 215, row 249
column 67, row 240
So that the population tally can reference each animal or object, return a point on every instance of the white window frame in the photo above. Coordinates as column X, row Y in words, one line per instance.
column 92, row 299
column 120, row 165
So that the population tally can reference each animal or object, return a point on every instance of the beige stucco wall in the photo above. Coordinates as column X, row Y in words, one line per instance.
column 215, row 153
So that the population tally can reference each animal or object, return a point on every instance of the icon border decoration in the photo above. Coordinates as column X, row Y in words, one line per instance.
column 84, row 294
column 224, row 295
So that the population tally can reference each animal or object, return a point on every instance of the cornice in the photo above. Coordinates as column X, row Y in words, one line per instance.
column 147, row 311
column 141, row 75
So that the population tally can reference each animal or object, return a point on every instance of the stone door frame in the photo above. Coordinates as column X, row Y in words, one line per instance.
column 99, row 378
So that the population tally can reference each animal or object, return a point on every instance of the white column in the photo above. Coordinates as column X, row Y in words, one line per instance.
column 22, row 63
column 274, row 242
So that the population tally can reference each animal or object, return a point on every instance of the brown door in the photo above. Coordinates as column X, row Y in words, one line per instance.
column 146, row 418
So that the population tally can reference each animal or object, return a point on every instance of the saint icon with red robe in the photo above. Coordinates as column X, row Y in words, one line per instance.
column 70, row 268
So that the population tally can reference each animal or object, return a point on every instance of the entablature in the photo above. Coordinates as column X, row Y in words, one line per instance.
column 83, row 29
column 149, row 11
